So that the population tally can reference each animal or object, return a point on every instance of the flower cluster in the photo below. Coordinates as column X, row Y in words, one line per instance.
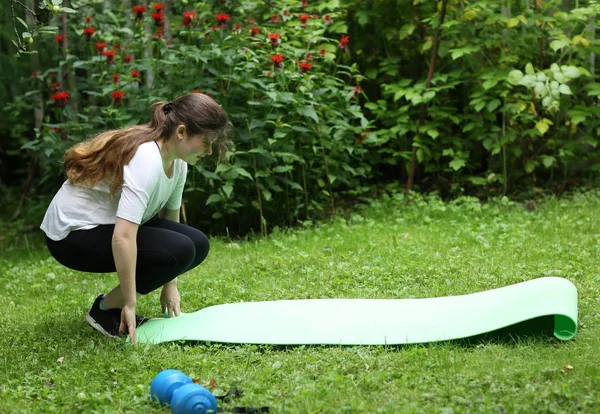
column 223, row 18
column 139, row 12
column 118, row 97
column 277, row 59
column 274, row 38
column 188, row 18
column 60, row 98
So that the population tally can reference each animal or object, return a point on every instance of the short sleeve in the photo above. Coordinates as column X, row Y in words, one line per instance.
column 174, row 201
column 140, row 178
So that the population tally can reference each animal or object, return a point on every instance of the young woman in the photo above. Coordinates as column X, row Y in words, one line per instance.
column 118, row 210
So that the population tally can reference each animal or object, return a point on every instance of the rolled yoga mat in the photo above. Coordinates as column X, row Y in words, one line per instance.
column 373, row 321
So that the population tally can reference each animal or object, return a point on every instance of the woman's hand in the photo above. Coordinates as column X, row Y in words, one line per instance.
column 169, row 299
column 128, row 322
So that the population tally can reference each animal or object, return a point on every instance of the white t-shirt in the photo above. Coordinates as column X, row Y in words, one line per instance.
column 146, row 190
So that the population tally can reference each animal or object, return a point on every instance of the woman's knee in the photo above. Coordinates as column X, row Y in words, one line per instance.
column 202, row 246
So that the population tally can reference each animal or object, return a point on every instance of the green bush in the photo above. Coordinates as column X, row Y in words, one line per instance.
column 479, row 129
column 282, row 77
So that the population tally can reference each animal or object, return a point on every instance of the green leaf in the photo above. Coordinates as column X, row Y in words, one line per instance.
column 309, row 112
column 564, row 89
column 457, row 163
column 559, row 44
column 266, row 194
column 489, row 84
column 514, row 77
column 22, row 22
column 469, row 127
column 228, row 189
column 406, row 31
column 241, row 171
column 433, row 133
column 530, row 166
column 256, row 123
column 214, row 198
column 283, row 168
column 493, row 104
column 529, row 69
column 548, row 161
column 512, row 22
column 542, row 127
column 456, row 53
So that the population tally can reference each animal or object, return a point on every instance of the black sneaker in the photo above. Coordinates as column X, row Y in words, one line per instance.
column 108, row 321
column 105, row 321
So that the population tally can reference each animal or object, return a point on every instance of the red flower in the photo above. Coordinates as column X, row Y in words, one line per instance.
column 110, row 56
column 56, row 130
column 118, row 96
column 159, row 7
column 238, row 28
column 58, row 39
column 274, row 18
column 55, row 86
column 344, row 40
column 223, row 18
column 188, row 18
column 308, row 56
column 100, row 46
column 88, row 19
column 127, row 58
column 323, row 52
column 327, row 19
column 60, row 98
column 117, row 46
column 303, row 18
column 251, row 21
column 286, row 13
column 254, row 31
column 135, row 74
column 277, row 59
column 360, row 138
column 35, row 75
column 115, row 77
column 356, row 91
column 159, row 34
column 89, row 31
column 158, row 18
column 304, row 3
column 274, row 38
column 305, row 66
column 139, row 11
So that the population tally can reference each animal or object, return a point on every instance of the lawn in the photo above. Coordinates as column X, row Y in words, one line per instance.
column 52, row 361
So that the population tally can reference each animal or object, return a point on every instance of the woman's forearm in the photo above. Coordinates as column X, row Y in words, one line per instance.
column 125, row 255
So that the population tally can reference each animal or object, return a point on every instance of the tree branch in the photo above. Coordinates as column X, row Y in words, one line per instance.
column 28, row 9
column 12, row 9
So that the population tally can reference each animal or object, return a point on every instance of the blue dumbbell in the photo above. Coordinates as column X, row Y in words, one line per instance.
column 177, row 389
column 193, row 399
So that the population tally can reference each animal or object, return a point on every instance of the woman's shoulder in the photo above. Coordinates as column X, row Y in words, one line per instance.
column 148, row 149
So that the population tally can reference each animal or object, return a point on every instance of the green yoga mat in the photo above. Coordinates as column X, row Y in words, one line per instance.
column 373, row 321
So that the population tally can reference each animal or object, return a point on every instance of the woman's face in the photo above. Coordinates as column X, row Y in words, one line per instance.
column 192, row 147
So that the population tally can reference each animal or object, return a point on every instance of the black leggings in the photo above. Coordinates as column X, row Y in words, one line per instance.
column 165, row 250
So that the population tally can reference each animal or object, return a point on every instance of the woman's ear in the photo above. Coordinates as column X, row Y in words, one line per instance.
column 181, row 131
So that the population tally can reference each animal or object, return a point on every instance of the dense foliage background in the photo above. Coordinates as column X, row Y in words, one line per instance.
column 331, row 101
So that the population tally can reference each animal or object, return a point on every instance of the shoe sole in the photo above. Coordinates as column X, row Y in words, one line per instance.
column 97, row 326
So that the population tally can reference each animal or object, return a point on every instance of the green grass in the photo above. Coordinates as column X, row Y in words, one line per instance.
column 389, row 250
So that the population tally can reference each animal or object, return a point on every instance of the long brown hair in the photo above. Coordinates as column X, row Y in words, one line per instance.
column 105, row 155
